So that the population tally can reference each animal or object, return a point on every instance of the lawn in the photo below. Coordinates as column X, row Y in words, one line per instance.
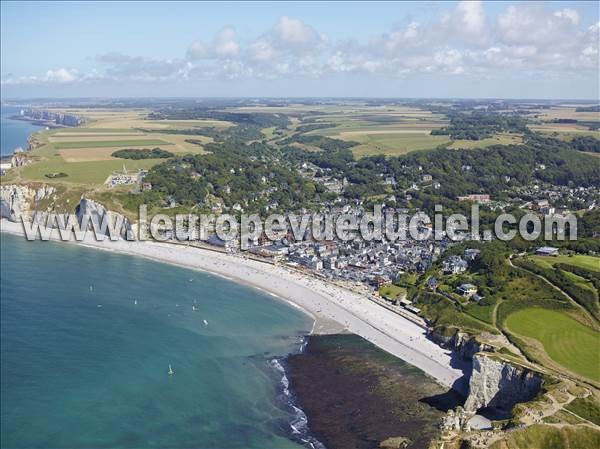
column 565, row 340
column 392, row 291
column 587, row 262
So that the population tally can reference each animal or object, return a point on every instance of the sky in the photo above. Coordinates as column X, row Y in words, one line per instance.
column 300, row 49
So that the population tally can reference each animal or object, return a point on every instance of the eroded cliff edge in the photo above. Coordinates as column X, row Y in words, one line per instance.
column 18, row 201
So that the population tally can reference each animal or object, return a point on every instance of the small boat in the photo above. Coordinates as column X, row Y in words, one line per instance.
column 194, row 308
column 171, row 372
column 91, row 288
column 205, row 322
column 135, row 302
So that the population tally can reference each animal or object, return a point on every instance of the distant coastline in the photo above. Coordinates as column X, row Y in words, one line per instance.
column 36, row 122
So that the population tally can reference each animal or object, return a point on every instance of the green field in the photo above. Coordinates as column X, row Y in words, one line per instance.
column 108, row 143
column 587, row 262
column 565, row 340
column 89, row 173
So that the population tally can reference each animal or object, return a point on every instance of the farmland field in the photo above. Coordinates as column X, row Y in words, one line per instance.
column 108, row 143
column 85, row 153
column 393, row 144
column 565, row 340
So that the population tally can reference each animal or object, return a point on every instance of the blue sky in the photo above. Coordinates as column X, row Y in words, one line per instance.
column 404, row 49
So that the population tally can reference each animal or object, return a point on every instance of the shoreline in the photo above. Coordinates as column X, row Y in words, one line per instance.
column 334, row 310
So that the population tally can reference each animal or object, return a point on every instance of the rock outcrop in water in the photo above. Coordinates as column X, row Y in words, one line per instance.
column 500, row 385
column 18, row 200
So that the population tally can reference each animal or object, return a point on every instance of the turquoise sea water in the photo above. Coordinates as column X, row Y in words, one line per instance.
column 84, row 366
column 14, row 132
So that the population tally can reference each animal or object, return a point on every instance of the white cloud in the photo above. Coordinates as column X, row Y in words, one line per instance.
column 225, row 45
column 569, row 14
column 295, row 34
column 60, row 76
column 524, row 39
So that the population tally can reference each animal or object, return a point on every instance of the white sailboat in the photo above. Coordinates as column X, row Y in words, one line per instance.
column 205, row 322
column 171, row 372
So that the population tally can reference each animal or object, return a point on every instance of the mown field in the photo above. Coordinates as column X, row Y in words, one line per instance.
column 564, row 339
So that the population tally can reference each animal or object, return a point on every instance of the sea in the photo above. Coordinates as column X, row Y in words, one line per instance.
column 14, row 133
column 102, row 350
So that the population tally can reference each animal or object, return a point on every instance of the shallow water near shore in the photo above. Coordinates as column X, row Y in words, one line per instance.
column 14, row 132
column 86, row 342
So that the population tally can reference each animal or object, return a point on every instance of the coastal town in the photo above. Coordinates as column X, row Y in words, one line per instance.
column 438, row 302
column 300, row 225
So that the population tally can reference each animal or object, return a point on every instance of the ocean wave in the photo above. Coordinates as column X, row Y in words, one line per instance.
column 299, row 422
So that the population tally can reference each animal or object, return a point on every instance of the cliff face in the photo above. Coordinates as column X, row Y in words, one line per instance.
column 18, row 200
column 500, row 385
column 465, row 345
column 97, row 213
column 23, row 200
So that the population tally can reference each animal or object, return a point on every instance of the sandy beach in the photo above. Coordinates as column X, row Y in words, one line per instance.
column 333, row 308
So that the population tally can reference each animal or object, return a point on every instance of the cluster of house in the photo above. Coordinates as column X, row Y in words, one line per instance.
column 549, row 199
column 457, row 265
column 322, row 176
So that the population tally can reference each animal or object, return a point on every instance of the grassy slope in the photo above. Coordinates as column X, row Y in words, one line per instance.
column 565, row 340
column 546, row 437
